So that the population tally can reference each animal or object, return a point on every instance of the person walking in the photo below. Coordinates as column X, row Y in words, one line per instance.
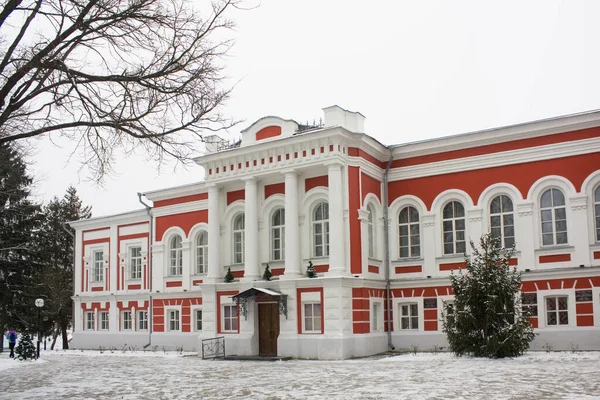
column 12, row 341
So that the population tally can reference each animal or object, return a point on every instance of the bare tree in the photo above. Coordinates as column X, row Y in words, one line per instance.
column 113, row 74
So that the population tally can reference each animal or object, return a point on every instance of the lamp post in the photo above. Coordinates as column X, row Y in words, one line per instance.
column 39, row 303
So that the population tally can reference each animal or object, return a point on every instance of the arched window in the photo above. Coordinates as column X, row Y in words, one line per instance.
column 502, row 220
column 278, row 234
column 238, row 239
column 454, row 228
column 371, row 231
column 201, row 252
column 175, row 256
column 320, row 227
column 554, row 217
column 409, row 239
column 597, row 212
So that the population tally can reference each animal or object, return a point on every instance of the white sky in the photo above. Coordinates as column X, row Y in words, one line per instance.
column 415, row 69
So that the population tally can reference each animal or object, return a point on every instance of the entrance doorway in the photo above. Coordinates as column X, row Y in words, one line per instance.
column 268, row 328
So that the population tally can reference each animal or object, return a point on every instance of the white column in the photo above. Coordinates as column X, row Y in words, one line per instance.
column 475, row 227
column 337, row 266
column 363, row 216
column 579, row 236
column 292, row 243
column 214, row 236
column 251, row 260
column 186, row 270
column 114, row 265
column 158, row 267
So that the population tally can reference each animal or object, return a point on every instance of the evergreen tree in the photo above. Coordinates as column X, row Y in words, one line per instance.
column 486, row 319
column 267, row 275
column 19, row 218
column 25, row 349
column 55, row 255
column 228, row 275
column 310, row 270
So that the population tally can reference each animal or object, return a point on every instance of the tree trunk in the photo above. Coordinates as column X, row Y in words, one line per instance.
column 65, row 339
column 54, row 336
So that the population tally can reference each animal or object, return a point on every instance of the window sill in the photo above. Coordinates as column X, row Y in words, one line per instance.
column 451, row 258
column 554, row 249
column 407, row 261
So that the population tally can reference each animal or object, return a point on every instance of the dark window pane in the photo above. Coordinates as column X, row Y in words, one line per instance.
column 562, row 303
column 546, row 200
column 560, row 213
column 495, row 205
column 403, row 252
column 507, row 205
column 551, row 318
column 403, row 218
column 448, row 237
column 414, row 229
column 496, row 232
column 448, row 211
column 460, row 247
column 550, row 303
column 415, row 251
column 563, row 317
column 558, row 198
column 415, row 323
column 597, row 195
column 460, row 235
column 403, row 230
column 546, row 215
column 404, row 323
column 448, row 226
column 508, row 219
column 547, row 239
column 449, row 248
column 414, row 215
column 547, row 227
column 561, row 226
column 403, row 241
column 509, row 231
column 561, row 238
column 459, row 210
column 416, row 239
column 460, row 224
column 509, row 242
column 495, row 221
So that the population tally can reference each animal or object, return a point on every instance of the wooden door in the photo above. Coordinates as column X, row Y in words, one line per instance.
column 268, row 329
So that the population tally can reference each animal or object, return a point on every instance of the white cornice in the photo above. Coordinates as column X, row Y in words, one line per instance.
column 499, row 135
column 176, row 191
column 547, row 152
column 108, row 220
column 180, row 208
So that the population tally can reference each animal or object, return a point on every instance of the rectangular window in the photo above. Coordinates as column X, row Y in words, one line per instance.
column 238, row 247
column 557, row 311
column 312, row 318
column 230, row 318
column 104, row 321
column 98, row 267
column 126, row 320
column 135, row 262
column 173, row 320
column 409, row 316
column 376, row 317
column 198, row 320
column 90, row 321
column 278, row 243
column 142, row 320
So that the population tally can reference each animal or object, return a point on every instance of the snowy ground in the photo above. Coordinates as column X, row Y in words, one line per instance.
column 91, row 375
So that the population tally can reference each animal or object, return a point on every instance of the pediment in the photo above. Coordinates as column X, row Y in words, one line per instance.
column 267, row 129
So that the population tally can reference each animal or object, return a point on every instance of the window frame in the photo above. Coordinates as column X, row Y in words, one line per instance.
column 501, row 215
column 90, row 323
column 410, row 316
column 169, row 313
column 454, row 220
column 314, row 305
column 97, row 274
column 596, row 212
column 371, row 245
column 124, row 320
column 175, row 256
column 554, row 222
column 135, row 263
column 195, row 312
column 323, row 224
column 201, row 246
column 141, row 323
column 410, row 236
column 238, row 236
column 281, row 230
column 377, row 316
column 234, row 320
column 557, row 311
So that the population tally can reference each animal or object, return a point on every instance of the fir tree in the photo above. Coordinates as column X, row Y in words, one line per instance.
column 55, row 251
column 486, row 319
column 25, row 349
column 267, row 275
column 228, row 275
column 19, row 218
column 310, row 270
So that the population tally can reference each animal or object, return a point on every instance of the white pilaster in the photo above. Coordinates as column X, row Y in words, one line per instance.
column 475, row 228
column 78, row 262
column 185, row 278
column 579, row 235
column 113, row 263
column 113, row 315
column 292, row 243
column 525, row 236
column 363, row 216
column 428, row 238
column 214, row 236
column 251, row 259
column 158, row 270
column 337, row 265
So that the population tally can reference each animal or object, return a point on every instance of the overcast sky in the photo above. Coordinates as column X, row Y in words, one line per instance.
column 415, row 69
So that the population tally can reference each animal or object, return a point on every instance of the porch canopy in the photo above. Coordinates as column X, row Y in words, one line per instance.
column 241, row 299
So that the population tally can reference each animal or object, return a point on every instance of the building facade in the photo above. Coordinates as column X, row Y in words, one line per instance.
column 383, row 227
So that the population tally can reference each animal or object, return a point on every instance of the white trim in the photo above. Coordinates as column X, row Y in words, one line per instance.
column 180, row 208
column 520, row 156
column 379, row 319
column 589, row 184
column 400, row 301
column 571, row 308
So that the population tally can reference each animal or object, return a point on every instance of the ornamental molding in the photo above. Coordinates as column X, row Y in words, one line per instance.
column 475, row 215
column 520, row 156
column 428, row 220
column 525, row 209
column 578, row 202
column 180, row 208
column 363, row 214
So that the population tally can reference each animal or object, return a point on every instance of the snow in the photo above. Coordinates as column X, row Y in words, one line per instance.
column 158, row 375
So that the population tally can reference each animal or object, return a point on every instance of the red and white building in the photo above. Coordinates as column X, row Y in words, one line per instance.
column 384, row 226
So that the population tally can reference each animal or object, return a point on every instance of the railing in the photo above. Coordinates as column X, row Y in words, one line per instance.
column 213, row 348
